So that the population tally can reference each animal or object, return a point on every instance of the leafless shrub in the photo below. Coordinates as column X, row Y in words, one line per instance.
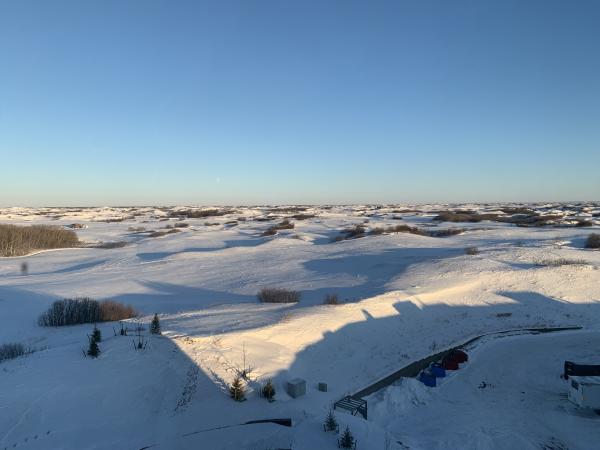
column 524, row 217
column 303, row 216
column 287, row 209
column 472, row 251
column 358, row 231
column 562, row 262
column 72, row 311
column 199, row 214
column 11, row 351
column 111, row 310
column 443, row 233
column 593, row 241
column 18, row 241
column 278, row 295
column 331, row 299
column 163, row 233
column 109, row 245
column 283, row 225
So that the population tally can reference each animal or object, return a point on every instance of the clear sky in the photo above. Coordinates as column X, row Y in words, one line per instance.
column 233, row 102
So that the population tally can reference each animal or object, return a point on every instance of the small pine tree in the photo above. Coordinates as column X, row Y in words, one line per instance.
column 331, row 423
column 347, row 440
column 96, row 334
column 268, row 390
column 236, row 390
column 93, row 349
column 155, row 325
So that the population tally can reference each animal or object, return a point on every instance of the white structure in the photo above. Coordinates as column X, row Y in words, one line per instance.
column 585, row 391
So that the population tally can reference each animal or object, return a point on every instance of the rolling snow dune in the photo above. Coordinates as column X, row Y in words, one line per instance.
column 404, row 296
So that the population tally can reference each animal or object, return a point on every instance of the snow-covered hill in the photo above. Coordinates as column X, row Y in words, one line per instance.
column 403, row 296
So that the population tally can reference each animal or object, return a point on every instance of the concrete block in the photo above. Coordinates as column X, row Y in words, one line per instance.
column 296, row 387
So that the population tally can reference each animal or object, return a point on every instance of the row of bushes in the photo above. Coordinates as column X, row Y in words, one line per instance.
column 283, row 225
column 278, row 295
column 281, row 295
column 73, row 311
column 163, row 233
column 523, row 217
column 11, row 351
column 199, row 214
column 359, row 231
column 18, row 240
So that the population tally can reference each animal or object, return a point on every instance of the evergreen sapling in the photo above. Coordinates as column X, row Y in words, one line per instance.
column 96, row 334
column 93, row 349
column 236, row 390
column 331, row 423
column 268, row 390
column 347, row 440
column 155, row 325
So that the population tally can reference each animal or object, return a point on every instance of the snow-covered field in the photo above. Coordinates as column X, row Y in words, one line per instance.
column 404, row 296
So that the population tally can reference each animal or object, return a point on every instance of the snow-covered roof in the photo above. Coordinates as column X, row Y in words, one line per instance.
column 588, row 380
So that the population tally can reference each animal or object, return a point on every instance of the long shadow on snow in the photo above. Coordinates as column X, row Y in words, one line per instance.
column 340, row 355
column 132, row 399
column 155, row 256
column 168, row 297
column 371, row 272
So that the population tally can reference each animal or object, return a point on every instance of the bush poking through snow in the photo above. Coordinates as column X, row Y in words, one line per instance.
column 472, row 251
column 11, row 351
column 331, row 299
column 562, row 262
column 18, row 240
column 284, row 225
column 268, row 390
column 155, row 325
column 347, row 440
column 237, row 391
column 331, row 423
column 278, row 295
column 593, row 241
column 110, row 245
column 359, row 231
column 72, row 311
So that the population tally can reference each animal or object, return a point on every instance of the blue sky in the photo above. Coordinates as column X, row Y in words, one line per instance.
column 227, row 102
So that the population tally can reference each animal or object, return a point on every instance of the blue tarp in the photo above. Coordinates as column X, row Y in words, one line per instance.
column 437, row 371
column 427, row 379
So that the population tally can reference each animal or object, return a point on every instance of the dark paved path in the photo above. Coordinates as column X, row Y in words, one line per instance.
column 413, row 369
